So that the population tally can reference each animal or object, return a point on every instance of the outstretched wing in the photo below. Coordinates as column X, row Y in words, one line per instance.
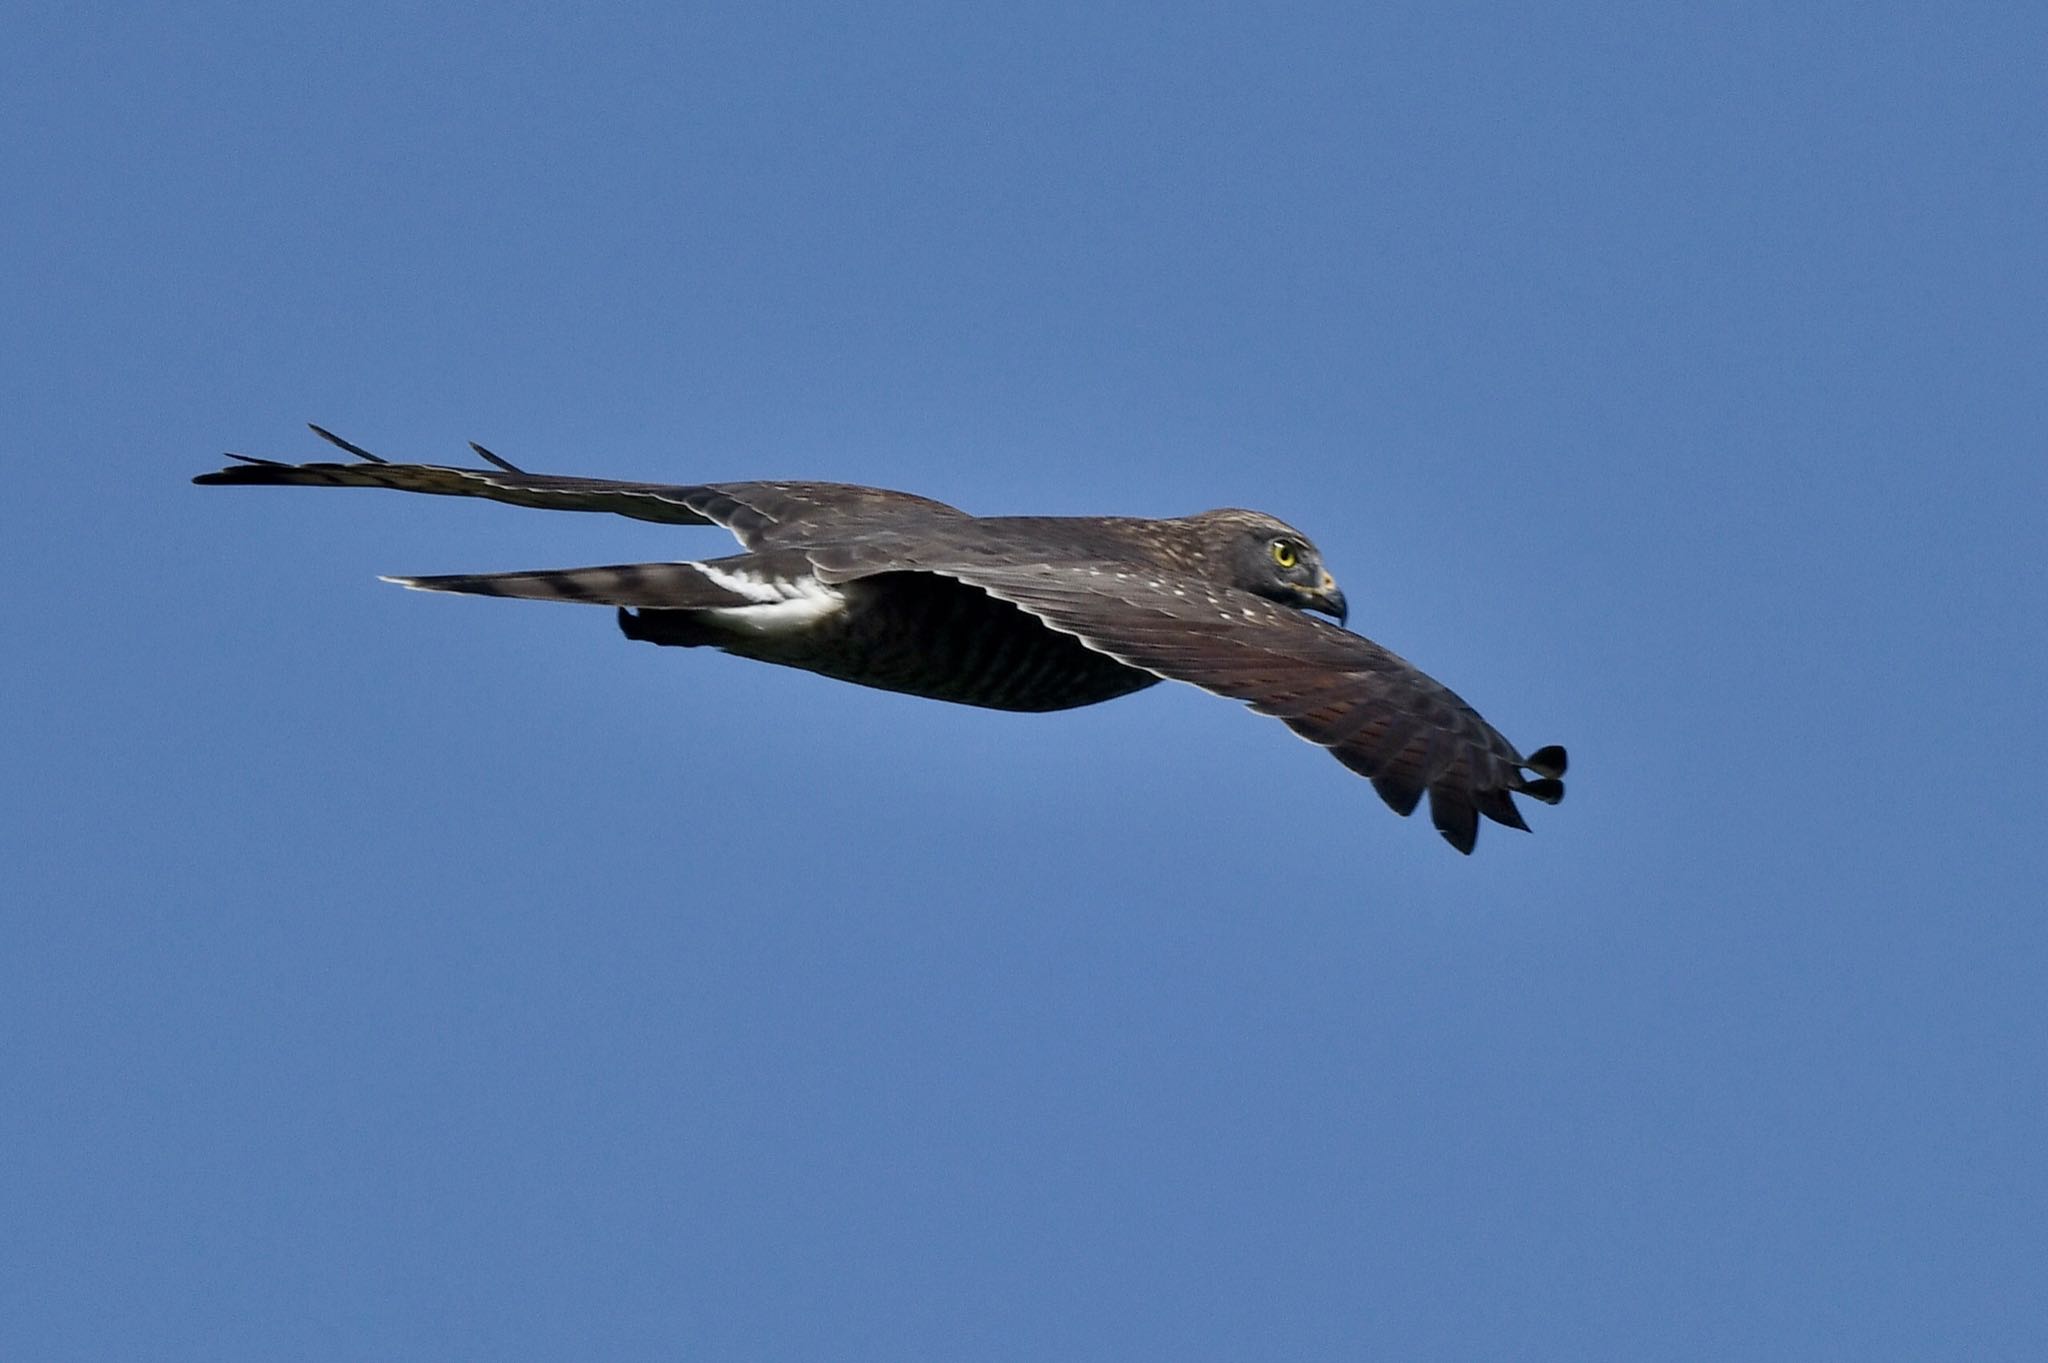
column 758, row 514
column 1377, row 713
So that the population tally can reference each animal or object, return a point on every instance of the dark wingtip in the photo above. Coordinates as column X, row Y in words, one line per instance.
column 1499, row 806
column 231, row 474
column 1402, row 793
column 1456, row 817
column 357, row 450
column 486, row 455
column 1546, row 761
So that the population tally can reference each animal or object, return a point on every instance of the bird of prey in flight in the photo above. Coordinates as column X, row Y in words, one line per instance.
column 896, row 591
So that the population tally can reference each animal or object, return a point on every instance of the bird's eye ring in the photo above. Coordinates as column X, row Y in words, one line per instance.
column 1285, row 554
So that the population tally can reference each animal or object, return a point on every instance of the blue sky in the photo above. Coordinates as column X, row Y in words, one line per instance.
column 391, row 976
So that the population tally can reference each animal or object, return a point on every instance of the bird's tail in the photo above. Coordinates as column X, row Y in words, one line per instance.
column 665, row 586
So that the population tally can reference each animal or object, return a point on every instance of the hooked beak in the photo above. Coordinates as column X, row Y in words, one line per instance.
column 1329, row 600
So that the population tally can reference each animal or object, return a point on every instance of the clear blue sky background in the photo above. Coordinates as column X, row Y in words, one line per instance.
column 385, row 976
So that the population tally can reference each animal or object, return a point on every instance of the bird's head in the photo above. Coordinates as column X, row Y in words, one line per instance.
column 1270, row 558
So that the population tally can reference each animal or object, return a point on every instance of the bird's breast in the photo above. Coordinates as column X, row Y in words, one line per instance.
column 927, row 635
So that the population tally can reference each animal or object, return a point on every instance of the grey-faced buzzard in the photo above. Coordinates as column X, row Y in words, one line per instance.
column 900, row 592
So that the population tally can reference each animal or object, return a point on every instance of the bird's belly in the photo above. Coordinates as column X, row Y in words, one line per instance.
column 931, row 636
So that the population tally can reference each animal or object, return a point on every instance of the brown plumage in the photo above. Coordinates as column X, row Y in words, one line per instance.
column 900, row 592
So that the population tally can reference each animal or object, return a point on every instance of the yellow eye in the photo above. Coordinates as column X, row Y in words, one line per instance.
column 1285, row 554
